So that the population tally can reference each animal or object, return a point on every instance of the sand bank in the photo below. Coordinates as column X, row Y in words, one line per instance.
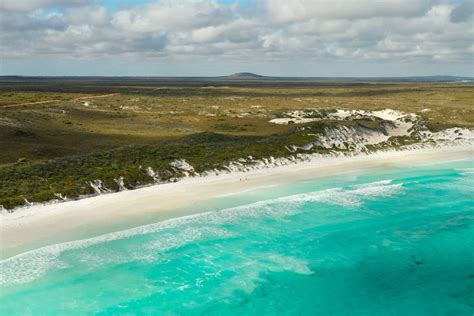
column 42, row 225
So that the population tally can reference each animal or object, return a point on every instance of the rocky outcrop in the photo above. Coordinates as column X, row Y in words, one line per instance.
column 98, row 186
column 3, row 210
column 151, row 173
column 60, row 196
column 183, row 167
column 121, row 184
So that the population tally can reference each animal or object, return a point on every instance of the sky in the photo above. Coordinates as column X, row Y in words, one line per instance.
column 307, row 38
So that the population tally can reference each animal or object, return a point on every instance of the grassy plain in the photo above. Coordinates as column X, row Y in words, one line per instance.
column 96, row 128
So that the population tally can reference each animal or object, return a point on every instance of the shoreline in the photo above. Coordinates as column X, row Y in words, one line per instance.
column 46, row 224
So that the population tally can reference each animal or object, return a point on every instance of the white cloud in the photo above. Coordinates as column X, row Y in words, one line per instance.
column 278, row 30
column 93, row 15
column 29, row 5
column 301, row 10
column 239, row 30
column 168, row 15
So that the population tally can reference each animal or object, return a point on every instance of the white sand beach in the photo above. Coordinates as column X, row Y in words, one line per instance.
column 42, row 225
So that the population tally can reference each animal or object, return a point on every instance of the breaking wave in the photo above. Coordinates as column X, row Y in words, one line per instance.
column 177, row 232
column 466, row 171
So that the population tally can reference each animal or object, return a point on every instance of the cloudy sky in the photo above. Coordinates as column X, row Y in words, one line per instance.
column 218, row 37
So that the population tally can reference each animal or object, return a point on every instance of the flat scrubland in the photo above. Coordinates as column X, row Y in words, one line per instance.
column 58, row 135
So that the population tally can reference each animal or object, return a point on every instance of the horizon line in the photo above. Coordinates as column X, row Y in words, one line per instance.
column 230, row 76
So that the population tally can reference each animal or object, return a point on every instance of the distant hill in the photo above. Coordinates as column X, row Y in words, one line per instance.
column 245, row 76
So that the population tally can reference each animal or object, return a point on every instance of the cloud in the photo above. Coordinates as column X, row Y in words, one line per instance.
column 93, row 15
column 17, row 24
column 29, row 5
column 270, row 30
column 463, row 12
column 300, row 10
column 168, row 15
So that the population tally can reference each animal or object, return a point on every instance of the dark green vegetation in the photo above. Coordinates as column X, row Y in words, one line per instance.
column 56, row 135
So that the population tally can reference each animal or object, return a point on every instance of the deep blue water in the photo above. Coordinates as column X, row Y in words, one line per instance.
column 397, row 242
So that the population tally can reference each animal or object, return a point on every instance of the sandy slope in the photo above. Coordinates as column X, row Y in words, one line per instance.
column 42, row 225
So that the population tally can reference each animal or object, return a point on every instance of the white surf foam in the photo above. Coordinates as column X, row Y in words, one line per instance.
column 352, row 196
column 466, row 171
column 33, row 264
column 175, row 240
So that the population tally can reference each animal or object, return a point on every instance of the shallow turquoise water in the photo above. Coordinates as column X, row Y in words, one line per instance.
column 399, row 242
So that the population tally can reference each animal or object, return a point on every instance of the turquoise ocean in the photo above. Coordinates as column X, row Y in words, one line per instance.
column 397, row 241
